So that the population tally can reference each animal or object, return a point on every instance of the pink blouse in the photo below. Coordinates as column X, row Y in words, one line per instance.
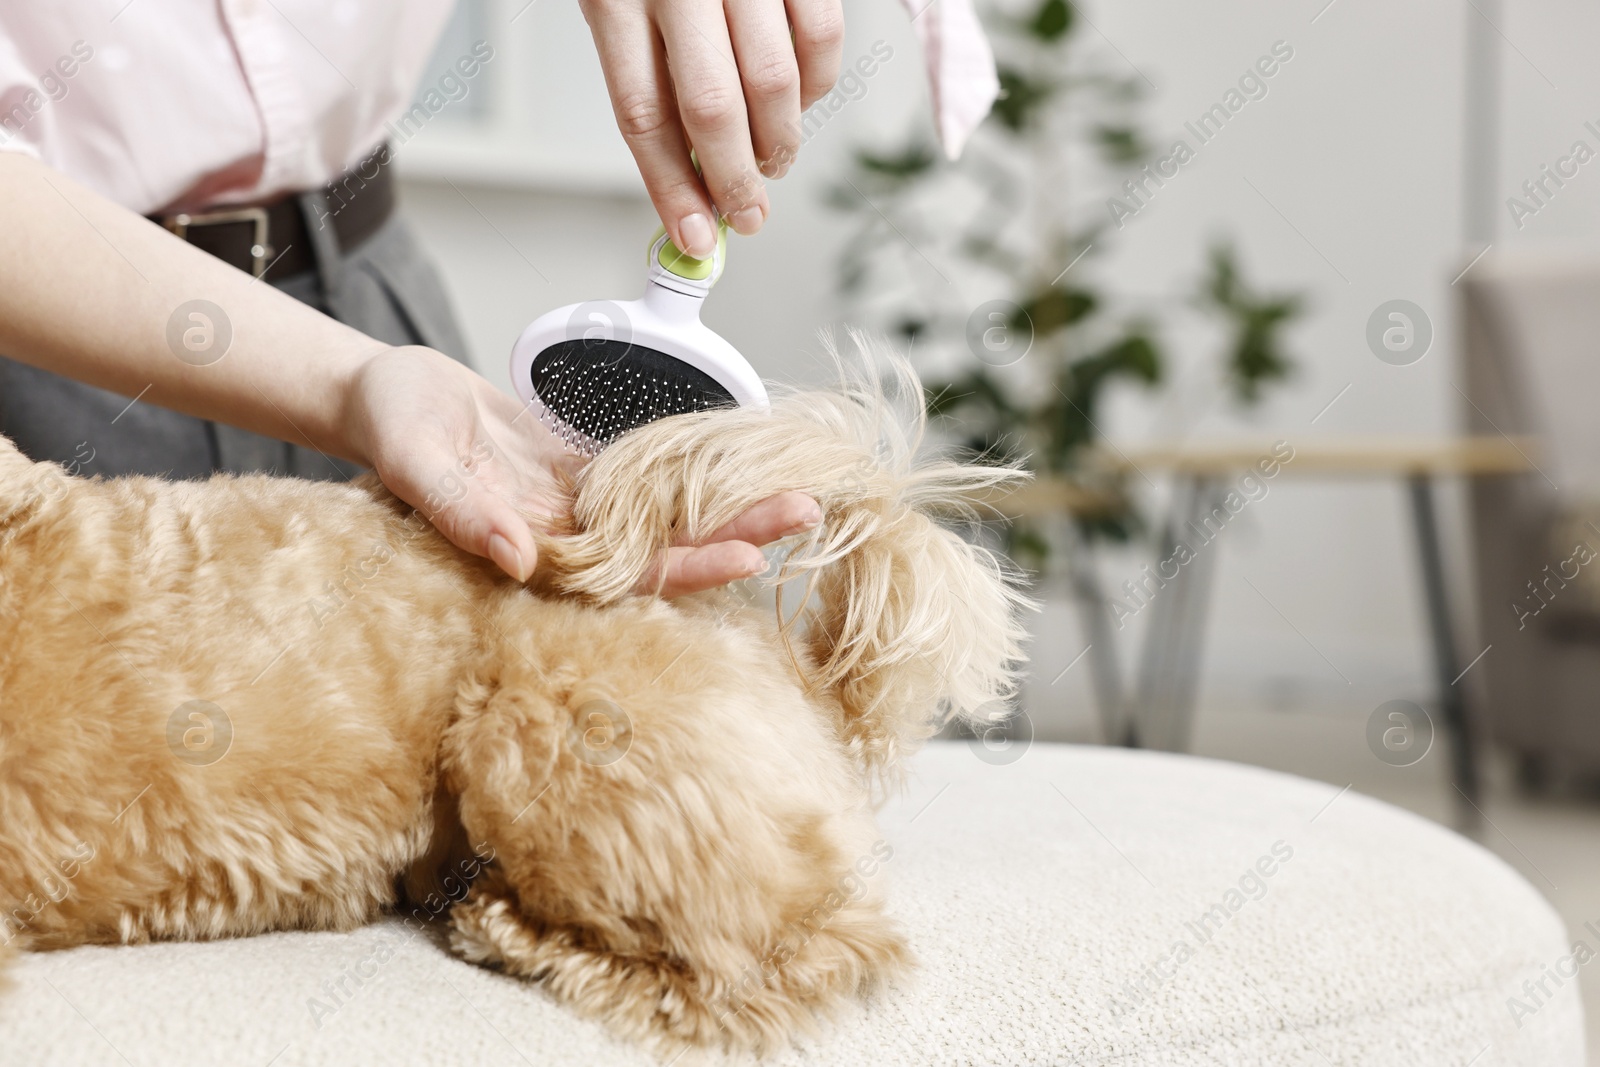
column 177, row 105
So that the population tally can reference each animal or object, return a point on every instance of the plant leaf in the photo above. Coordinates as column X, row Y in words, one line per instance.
column 908, row 162
column 1055, row 309
column 1052, row 21
column 1020, row 97
column 1120, row 144
column 1255, row 353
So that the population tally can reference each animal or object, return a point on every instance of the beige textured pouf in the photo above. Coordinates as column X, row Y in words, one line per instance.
column 1075, row 906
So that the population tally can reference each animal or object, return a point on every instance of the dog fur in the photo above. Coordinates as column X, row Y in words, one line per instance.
column 663, row 808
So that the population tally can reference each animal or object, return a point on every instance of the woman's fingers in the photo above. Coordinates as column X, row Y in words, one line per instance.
column 772, row 519
column 450, row 493
column 438, row 434
column 491, row 527
column 818, row 45
column 711, row 105
column 770, row 74
column 475, row 520
column 731, row 553
column 637, row 77
column 695, row 569
column 729, row 82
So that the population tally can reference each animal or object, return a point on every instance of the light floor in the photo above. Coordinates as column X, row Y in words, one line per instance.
column 1555, row 843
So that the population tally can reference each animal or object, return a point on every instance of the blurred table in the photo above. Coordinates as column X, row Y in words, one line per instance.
column 1162, row 713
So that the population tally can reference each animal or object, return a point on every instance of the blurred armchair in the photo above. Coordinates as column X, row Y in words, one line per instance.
column 1531, row 342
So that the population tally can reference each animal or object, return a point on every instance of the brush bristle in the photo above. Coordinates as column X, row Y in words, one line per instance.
column 590, row 392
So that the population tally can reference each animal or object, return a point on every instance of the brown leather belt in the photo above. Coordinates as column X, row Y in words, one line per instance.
column 274, row 240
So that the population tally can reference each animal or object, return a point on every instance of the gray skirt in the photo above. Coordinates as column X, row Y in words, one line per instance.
column 385, row 287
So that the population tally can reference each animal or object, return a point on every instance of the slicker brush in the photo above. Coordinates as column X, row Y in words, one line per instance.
column 594, row 371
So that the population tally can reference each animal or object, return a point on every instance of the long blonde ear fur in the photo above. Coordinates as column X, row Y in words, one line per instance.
column 907, row 622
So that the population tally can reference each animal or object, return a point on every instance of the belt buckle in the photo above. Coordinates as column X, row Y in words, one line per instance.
column 259, row 248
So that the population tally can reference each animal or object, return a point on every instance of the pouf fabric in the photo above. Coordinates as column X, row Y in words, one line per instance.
column 1068, row 905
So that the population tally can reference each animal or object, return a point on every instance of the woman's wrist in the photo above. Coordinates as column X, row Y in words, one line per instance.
column 342, row 417
column 358, row 388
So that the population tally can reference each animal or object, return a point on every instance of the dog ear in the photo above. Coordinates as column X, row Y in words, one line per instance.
column 913, row 625
column 909, row 624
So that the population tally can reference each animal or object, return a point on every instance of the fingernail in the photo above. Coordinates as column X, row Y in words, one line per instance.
column 778, row 164
column 506, row 557
column 698, row 238
column 808, row 521
column 747, row 220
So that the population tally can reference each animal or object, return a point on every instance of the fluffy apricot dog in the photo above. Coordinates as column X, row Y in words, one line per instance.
column 254, row 704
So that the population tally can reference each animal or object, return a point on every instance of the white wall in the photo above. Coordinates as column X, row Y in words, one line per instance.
column 1358, row 145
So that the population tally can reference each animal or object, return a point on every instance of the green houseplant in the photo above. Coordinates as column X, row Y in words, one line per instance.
column 1000, row 219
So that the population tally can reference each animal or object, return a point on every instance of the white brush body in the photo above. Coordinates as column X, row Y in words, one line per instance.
column 665, row 319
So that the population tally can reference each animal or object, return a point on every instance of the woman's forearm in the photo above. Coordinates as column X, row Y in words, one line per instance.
column 88, row 289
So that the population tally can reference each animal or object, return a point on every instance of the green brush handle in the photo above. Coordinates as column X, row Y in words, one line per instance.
column 687, row 267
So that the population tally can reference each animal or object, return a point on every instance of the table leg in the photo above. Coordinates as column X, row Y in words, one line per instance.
column 1464, row 771
column 1191, row 624
column 1161, row 636
column 1169, row 661
column 1105, row 673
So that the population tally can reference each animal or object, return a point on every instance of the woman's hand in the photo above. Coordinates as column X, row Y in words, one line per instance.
column 729, row 81
column 468, row 457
